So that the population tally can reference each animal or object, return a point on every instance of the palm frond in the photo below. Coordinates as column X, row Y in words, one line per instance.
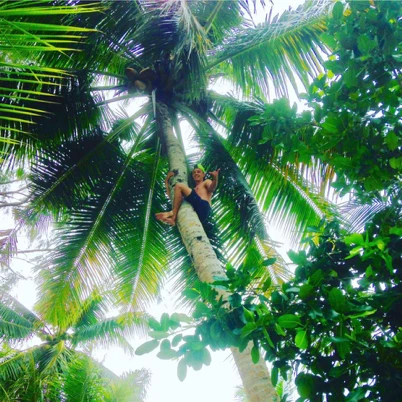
column 27, row 89
column 17, row 323
column 13, row 327
column 13, row 363
column 101, row 209
column 283, row 189
column 92, row 309
column 109, row 48
column 8, row 246
column 112, row 331
column 83, row 380
column 66, row 112
column 23, row 33
column 255, row 259
column 51, row 356
column 284, row 48
column 130, row 386
column 356, row 215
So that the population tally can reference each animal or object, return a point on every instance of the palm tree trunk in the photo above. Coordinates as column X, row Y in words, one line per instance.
column 255, row 377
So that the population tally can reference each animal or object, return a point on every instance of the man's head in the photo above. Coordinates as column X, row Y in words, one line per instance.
column 198, row 172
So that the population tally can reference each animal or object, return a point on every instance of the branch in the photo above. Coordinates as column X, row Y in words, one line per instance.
column 10, row 182
column 33, row 251
column 4, row 193
column 13, row 204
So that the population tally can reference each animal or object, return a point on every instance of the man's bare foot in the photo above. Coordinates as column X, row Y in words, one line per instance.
column 164, row 216
column 170, row 221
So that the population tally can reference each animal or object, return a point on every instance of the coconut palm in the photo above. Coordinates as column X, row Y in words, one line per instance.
column 59, row 365
column 100, row 172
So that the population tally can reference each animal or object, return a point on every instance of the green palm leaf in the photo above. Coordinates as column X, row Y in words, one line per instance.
column 281, row 189
column 284, row 48
column 25, row 36
column 16, row 321
column 82, row 381
column 101, row 210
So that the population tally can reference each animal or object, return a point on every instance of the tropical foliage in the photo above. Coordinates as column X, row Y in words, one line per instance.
column 59, row 365
column 336, row 325
column 99, row 175
column 98, row 169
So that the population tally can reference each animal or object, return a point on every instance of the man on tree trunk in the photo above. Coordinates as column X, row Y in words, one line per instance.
column 199, row 198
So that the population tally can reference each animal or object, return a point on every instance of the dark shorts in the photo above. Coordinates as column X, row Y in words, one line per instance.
column 200, row 206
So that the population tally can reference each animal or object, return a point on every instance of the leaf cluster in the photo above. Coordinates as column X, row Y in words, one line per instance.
column 338, row 320
column 353, row 125
column 357, row 101
column 56, row 368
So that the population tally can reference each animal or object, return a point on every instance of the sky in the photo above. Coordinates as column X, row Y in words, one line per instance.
column 211, row 384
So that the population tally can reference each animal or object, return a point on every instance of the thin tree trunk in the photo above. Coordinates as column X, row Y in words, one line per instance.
column 255, row 377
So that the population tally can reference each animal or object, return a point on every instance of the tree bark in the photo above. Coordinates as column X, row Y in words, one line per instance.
column 255, row 377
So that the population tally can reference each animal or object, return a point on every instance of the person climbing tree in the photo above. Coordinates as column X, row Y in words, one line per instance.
column 199, row 198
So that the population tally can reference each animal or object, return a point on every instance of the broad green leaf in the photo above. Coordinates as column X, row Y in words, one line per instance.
column 268, row 338
column 201, row 310
column 268, row 262
column 337, row 300
column 235, row 300
column 279, row 330
column 392, row 141
column 289, row 321
column 147, row 347
column 154, row 324
column 337, row 11
column 165, row 344
column 248, row 329
column 306, row 291
column 305, row 385
column 216, row 330
column 354, row 238
column 357, row 395
column 191, row 294
column 298, row 258
column 274, row 376
column 255, row 354
column 167, row 354
column 206, row 357
column 342, row 345
column 317, row 278
column 365, row 44
column 158, row 334
column 396, row 231
column 337, row 371
column 182, row 370
column 362, row 314
column 248, row 315
column 350, row 77
column 176, row 340
column 332, row 124
column 164, row 322
column 396, row 163
column 301, row 340
column 180, row 317
column 267, row 284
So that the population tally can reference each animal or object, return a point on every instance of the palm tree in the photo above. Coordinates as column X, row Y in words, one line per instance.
column 100, row 173
column 59, row 365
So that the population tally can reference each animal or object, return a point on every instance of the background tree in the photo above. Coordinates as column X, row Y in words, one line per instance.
column 59, row 366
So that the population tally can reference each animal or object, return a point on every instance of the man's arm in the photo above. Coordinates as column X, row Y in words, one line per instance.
column 214, row 182
column 169, row 175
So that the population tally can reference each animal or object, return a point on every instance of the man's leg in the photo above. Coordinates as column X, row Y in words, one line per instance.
column 180, row 191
